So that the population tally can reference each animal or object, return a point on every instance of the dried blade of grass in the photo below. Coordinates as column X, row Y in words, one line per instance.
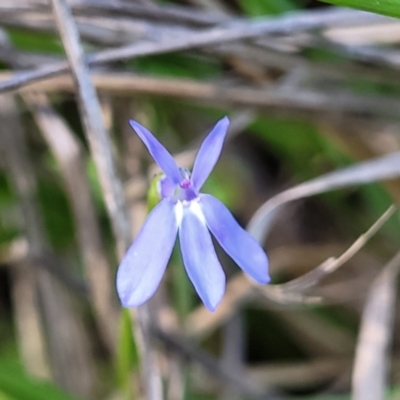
column 233, row 351
column 171, row 12
column 17, row 251
column 105, row 30
column 293, row 291
column 235, row 381
column 360, row 142
column 69, row 154
column 111, row 185
column 71, row 359
column 298, row 69
column 236, row 30
column 373, row 55
column 304, row 101
column 299, row 375
column 370, row 371
column 378, row 169
column 30, row 336
column 240, row 289
column 93, row 120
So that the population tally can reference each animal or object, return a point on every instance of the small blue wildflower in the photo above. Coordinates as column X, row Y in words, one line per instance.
column 193, row 214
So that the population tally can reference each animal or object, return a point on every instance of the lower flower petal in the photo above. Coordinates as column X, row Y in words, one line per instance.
column 199, row 257
column 143, row 266
column 239, row 244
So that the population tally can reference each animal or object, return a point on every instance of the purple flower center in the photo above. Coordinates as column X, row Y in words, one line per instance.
column 184, row 191
column 185, row 183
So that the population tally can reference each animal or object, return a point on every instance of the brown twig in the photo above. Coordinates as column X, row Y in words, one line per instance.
column 69, row 155
column 370, row 372
column 240, row 290
column 237, row 382
column 296, row 99
column 378, row 169
column 66, row 338
column 112, row 188
column 237, row 30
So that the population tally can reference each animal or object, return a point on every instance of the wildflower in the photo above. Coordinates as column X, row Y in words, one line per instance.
column 193, row 214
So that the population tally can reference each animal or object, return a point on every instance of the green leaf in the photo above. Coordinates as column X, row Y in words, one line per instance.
column 176, row 65
column 37, row 42
column 255, row 8
column 153, row 197
column 127, row 355
column 16, row 385
column 299, row 143
column 182, row 290
column 385, row 7
column 3, row 396
column 57, row 213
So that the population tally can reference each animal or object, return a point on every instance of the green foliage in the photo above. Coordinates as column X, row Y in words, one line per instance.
column 226, row 183
column 182, row 289
column 255, row 8
column 127, row 355
column 39, row 42
column 301, row 146
column 56, row 213
column 7, row 205
column 176, row 65
column 16, row 385
column 386, row 7
column 99, row 205
column 153, row 196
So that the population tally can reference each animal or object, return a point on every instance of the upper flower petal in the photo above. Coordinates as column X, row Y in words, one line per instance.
column 160, row 154
column 239, row 244
column 143, row 266
column 199, row 257
column 209, row 153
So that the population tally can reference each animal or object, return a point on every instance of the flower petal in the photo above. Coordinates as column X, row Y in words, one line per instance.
column 199, row 257
column 209, row 153
column 160, row 154
column 239, row 244
column 143, row 266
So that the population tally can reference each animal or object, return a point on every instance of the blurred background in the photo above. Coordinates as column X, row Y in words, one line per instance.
column 313, row 93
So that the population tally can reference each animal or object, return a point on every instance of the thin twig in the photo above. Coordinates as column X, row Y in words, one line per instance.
column 238, row 30
column 112, row 188
column 66, row 339
column 236, row 381
column 370, row 372
column 378, row 169
column 240, row 290
column 69, row 155
column 293, row 291
column 92, row 117
column 31, row 336
column 300, row 100
column 172, row 13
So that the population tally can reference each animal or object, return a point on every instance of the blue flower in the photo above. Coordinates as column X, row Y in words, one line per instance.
column 184, row 210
